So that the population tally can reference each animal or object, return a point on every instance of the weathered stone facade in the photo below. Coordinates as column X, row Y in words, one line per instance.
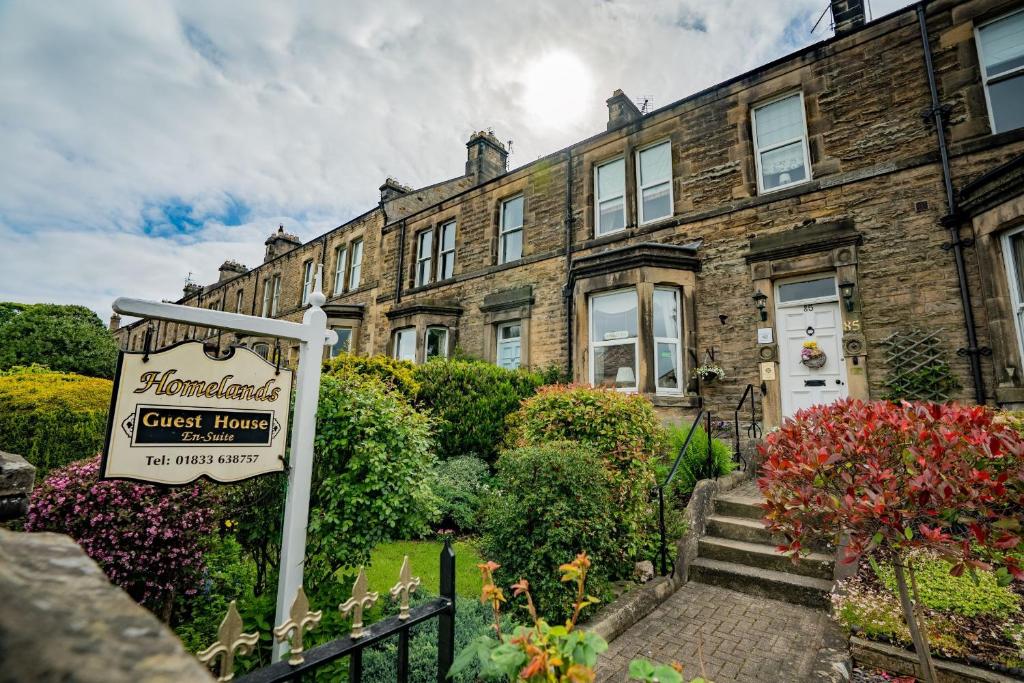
column 873, row 214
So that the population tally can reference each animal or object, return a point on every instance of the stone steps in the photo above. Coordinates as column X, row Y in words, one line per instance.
column 767, row 583
column 739, row 506
column 741, row 529
column 816, row 565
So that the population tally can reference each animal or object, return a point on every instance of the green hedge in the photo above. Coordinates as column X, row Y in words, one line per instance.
column 52, row 418
column 554, row 501
column 396, row 374
column 470, row 401
column 695, row 464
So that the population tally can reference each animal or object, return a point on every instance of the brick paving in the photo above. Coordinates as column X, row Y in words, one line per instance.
column 740, row 638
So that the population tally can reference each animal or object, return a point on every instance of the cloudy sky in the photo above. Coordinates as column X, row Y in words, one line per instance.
column 143, row 141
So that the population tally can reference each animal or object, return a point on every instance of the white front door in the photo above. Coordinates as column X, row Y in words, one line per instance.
column 808, row 310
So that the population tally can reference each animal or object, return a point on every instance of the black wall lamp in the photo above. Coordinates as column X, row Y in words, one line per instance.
column 846, row 289
column 761, row 301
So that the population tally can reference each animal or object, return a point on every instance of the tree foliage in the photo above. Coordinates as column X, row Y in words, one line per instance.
column 64, row 338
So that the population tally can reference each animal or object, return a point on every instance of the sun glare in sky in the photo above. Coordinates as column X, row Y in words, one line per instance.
column 558, row 89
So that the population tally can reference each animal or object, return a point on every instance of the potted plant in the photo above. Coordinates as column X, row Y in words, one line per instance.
column 708, row 373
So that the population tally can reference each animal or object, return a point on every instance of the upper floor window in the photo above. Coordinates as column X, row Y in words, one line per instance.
column 275, row 299
column 405, row 344
column 307, row 281
column 613, row 339
column 424, row 257
column 780, row 143
column 446, row 258
column 654, row 182
column 355, row 270
column 238, row 300
column 340, row 253
column 1001, row 48
column 437, row 343
column 271, row 295
column 610, row 191
column 510, row 247
column 510, row 347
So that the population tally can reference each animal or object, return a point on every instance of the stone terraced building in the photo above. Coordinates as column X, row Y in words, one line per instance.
column 865, row 193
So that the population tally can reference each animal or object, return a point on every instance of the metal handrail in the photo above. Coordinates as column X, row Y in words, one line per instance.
column 753, row 431
column 668, row 480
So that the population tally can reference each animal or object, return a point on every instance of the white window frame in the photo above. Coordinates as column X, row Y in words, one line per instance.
column 424, row 264
column 330, row 349
column 598, row 199
column 615, row 342
column 758, row 152
column 518, row 341
column 275, row 302
column 355, row 269
column 1016, row 295
column 340, row 255
column 503, row 231
column 443, row 254
column 239, row 300
column 677, row 340
column 396, row 344
column 444, row 346
column 985, row 78
column 268, row 288
column 640, row 188
column 307, row 281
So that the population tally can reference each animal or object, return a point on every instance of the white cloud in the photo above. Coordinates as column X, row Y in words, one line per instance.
column 112, row 111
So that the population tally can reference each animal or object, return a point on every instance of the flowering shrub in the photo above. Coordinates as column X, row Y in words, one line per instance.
column 708, row 373
column 51, row 418
column 149, row 541
column 897, row 477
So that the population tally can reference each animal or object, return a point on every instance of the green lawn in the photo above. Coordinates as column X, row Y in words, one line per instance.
column 386, row 562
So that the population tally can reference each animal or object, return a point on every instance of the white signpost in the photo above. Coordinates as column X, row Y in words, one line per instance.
column 312, row 335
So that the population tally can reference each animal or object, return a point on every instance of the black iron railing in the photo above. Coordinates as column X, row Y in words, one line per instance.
column 753, row 429
column 660, row 490
column 442, row 609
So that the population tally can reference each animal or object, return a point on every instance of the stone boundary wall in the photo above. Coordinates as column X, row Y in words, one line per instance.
column 874, row 655
column 62, row 621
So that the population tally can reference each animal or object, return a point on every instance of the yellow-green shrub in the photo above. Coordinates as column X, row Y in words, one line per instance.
column 399, row 375
column 52, row 418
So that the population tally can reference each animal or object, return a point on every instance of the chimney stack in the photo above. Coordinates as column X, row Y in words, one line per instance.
column 115, row 322
column 392, row 189
column 231, row 269
column 847, row 15
column 280, row 242
column 486, row 157
column 621, row 110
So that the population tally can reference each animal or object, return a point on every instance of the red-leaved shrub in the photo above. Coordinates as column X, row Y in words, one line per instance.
column 148, row 540
column 896, row 476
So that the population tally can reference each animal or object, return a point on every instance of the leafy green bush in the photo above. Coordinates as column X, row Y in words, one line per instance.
column 52, row 418
column 396, row 374
column 695, row 464
column 470, row 401
column 64, row 338
column 371, row 473
column 624, row 430
column 553, row 500
column 965, row 594
column 461, row 485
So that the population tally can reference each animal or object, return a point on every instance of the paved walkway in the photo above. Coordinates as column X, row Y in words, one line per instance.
column 739, row 637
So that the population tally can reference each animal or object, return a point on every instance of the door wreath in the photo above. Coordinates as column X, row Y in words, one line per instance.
column 812, row 356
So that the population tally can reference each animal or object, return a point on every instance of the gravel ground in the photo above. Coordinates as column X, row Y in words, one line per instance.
column 871, row 676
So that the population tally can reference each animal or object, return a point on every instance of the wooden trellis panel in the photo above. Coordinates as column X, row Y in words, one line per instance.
column 910, row 356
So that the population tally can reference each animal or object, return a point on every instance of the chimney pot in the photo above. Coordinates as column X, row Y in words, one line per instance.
column 486, row 157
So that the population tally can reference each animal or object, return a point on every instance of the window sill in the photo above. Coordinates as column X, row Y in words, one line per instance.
column 673, row 400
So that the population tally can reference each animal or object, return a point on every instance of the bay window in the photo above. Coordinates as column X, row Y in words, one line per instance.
column 344, row 343
column 613, row 339
column 654, row 182
column 1013, row 251
column 780, row 143
column 405, row 344
column 437, row 343
column 1001, row 49
column 667, row 335
column 510, row 246
column 610, row 194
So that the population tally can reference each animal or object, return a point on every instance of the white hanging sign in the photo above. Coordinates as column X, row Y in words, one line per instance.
column 177, row 415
